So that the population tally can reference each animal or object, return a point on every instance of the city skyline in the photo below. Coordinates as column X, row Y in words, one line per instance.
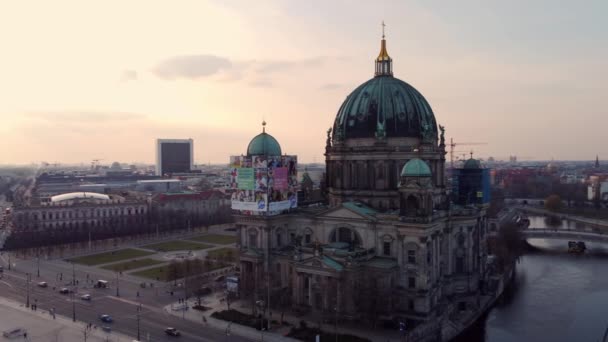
column 88, row 82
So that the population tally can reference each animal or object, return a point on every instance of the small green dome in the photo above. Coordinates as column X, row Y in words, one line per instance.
column 416, row 168
column 472, row 164
column 264, row 144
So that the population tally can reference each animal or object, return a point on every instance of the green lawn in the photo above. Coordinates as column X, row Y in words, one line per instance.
column 177, row 245
column 216, row 239
column 104, row 258
column 162, row 273
column 132, row 264
column 229, row 253
column 154, row 273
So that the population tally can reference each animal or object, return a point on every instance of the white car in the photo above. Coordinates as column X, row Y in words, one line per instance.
column 17, row 332
column 85, row 297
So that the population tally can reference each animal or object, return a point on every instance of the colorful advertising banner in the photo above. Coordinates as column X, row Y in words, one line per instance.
column 279, row 178
column 245, row 178
column 263, row 184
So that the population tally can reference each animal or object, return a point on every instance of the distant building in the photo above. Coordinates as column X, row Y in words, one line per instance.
column 77, row 216
column 471, row 184
column 174, row 156
column 159, row 185
column 199, row 207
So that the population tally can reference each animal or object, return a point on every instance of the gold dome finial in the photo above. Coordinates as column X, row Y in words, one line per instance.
column 263, row 126
column 384, row 63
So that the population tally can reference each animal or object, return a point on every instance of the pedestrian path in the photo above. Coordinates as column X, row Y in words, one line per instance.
column 41, row 326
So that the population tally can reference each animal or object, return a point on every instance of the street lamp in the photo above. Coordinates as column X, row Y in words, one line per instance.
column 27, row 286
column 336, row 322
column 138, row 311
column 38, row 262
column 260, row 304
column 73, row 292
column 117, row 284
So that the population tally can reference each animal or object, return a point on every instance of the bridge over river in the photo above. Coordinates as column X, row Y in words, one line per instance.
column 578, row 235
column 543, row 227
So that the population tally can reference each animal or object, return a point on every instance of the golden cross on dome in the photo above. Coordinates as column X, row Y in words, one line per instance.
column 264, row 126
column 383, row 29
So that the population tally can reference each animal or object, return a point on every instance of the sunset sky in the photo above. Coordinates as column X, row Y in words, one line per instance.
column 84, row 80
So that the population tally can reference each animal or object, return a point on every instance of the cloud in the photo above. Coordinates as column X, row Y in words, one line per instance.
column 194, row 67
column 129, row 75
column 191, row 67
column 83, row 117
column 283, row 65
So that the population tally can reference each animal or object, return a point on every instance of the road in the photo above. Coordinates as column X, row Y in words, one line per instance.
column 153, row 319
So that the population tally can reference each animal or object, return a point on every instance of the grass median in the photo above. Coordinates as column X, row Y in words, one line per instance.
column 177, row 245
column 216, row 239
column 108, row 257
column 132, row 264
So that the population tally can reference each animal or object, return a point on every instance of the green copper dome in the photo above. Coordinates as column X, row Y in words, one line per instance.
column 264, row 144
column 415, row 168
column 472, row 164
column 385, row 107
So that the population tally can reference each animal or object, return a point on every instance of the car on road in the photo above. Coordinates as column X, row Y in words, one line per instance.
column 85, row 297
column 106, row 318
column 172, row 332
column 43, row 284
column 65, row 290
column 17, row 332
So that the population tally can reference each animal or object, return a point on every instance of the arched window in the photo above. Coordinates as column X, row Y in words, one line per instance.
column 387, row 245
column 308, row 236
column 253, row 238
column 346, row 235
column 411, row 253
column 412, row 203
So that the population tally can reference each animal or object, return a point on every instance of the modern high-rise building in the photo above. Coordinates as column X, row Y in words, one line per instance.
column 173, row 156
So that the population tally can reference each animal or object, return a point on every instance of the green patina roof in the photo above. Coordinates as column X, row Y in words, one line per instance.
column 385, row 107
column 332, row 263
column 416, row 168
column 264, row 144
column 472, row 164
column 360, row 208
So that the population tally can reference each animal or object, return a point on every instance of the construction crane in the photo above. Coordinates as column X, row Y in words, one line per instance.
column 453, row 145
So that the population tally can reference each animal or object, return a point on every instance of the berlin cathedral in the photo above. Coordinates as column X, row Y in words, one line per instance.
column 389, row 241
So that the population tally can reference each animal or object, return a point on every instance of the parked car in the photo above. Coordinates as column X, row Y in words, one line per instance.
column 172, row 332
column 17, row 332
column 85, row 297
column 43, row 284
column 106, row 318
column 65, row 290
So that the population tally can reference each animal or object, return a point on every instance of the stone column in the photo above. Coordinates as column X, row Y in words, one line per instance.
column 310, row 299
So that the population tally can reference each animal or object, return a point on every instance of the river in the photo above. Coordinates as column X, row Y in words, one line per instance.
column 555, row 297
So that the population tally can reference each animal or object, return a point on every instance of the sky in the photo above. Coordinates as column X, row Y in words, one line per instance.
column 83, row 80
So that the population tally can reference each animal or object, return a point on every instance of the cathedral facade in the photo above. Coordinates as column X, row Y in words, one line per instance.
column 389, row 242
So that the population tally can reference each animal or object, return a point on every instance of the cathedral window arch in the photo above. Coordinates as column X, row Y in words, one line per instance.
column 411, row 250
column 345, row 235
column 279, row 234
column 252, row 238
column 308, row 236
column 387, row 245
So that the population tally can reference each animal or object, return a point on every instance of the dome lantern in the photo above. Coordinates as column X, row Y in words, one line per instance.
column 384, row 62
